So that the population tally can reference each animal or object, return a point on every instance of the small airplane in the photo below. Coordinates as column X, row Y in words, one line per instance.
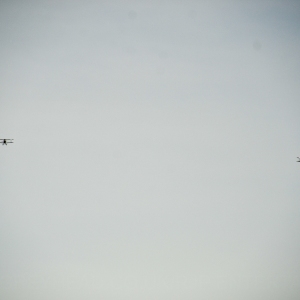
column 298, row 159
column 5, row 141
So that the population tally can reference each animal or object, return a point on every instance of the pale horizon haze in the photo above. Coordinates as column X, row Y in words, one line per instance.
column 155, row 150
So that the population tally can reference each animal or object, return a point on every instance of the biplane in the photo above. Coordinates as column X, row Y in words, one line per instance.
column 6, row 141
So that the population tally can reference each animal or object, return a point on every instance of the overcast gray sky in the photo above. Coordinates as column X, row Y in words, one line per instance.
column 155, row 150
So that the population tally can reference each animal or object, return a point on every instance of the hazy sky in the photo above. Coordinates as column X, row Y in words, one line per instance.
column 155, row 150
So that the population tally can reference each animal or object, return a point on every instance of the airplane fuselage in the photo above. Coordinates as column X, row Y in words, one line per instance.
column 6, row 141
